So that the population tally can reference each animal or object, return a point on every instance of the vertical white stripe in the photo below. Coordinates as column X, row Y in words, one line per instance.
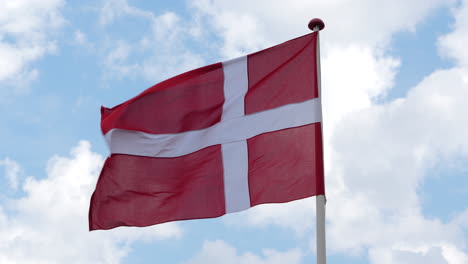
column 235, row 87
column 235, row 156
column 236, row 184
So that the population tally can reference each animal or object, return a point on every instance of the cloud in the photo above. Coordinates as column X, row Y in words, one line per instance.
column 49, row 223
column 26, row 35
column 365, row 75
column 443, row 254
column 382, row 154
column 81, row 39
column 245, row 26
column 220, row 252
column 12, row 172
column 160, row 50
column 453, row 45
column 113, row 9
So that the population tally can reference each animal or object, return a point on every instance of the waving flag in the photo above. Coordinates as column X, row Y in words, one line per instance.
column 214, row 140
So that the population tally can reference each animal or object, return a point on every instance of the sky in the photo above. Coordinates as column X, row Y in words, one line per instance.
column 394, row 87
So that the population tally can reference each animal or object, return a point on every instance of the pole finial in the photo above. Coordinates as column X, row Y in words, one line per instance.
column 316, row 22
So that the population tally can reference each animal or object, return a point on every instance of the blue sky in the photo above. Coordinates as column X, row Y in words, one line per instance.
column 394, row 83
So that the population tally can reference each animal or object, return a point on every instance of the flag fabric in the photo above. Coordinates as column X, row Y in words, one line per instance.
column 215, row 140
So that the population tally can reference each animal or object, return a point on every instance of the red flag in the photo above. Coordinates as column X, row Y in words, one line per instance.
column 214, row 140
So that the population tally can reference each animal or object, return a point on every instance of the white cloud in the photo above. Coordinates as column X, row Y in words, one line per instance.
column 382, row 155
column 81, row 39
column 441, row 254
column 49, row 224
column 453, row 45
column 245, row 26
column 116, row 60
column 220, row 252
column 157, row 54
column 398, row 256
column 26, row 29
column 12, row 172
column 364, row 76
column 113, row 9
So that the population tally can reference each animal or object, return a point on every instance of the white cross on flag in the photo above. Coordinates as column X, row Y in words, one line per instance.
column 215, row 140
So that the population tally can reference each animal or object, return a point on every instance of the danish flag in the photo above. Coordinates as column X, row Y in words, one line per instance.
column 215, row 140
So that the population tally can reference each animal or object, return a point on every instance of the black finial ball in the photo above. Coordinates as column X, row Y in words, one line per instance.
column 316, row 22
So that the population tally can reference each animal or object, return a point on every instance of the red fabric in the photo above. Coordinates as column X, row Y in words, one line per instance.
column 283, row 165
column 190, row 101
column 286, row 165
column 283, row 74
column 143, row 191
column 281, row 168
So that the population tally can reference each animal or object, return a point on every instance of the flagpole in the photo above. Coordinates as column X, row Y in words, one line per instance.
column 316, row 25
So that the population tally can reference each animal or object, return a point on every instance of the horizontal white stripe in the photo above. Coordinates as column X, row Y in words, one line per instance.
column 232, row 130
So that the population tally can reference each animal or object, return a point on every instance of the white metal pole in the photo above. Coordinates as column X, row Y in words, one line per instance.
column 316, row 25
column 320, row 221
